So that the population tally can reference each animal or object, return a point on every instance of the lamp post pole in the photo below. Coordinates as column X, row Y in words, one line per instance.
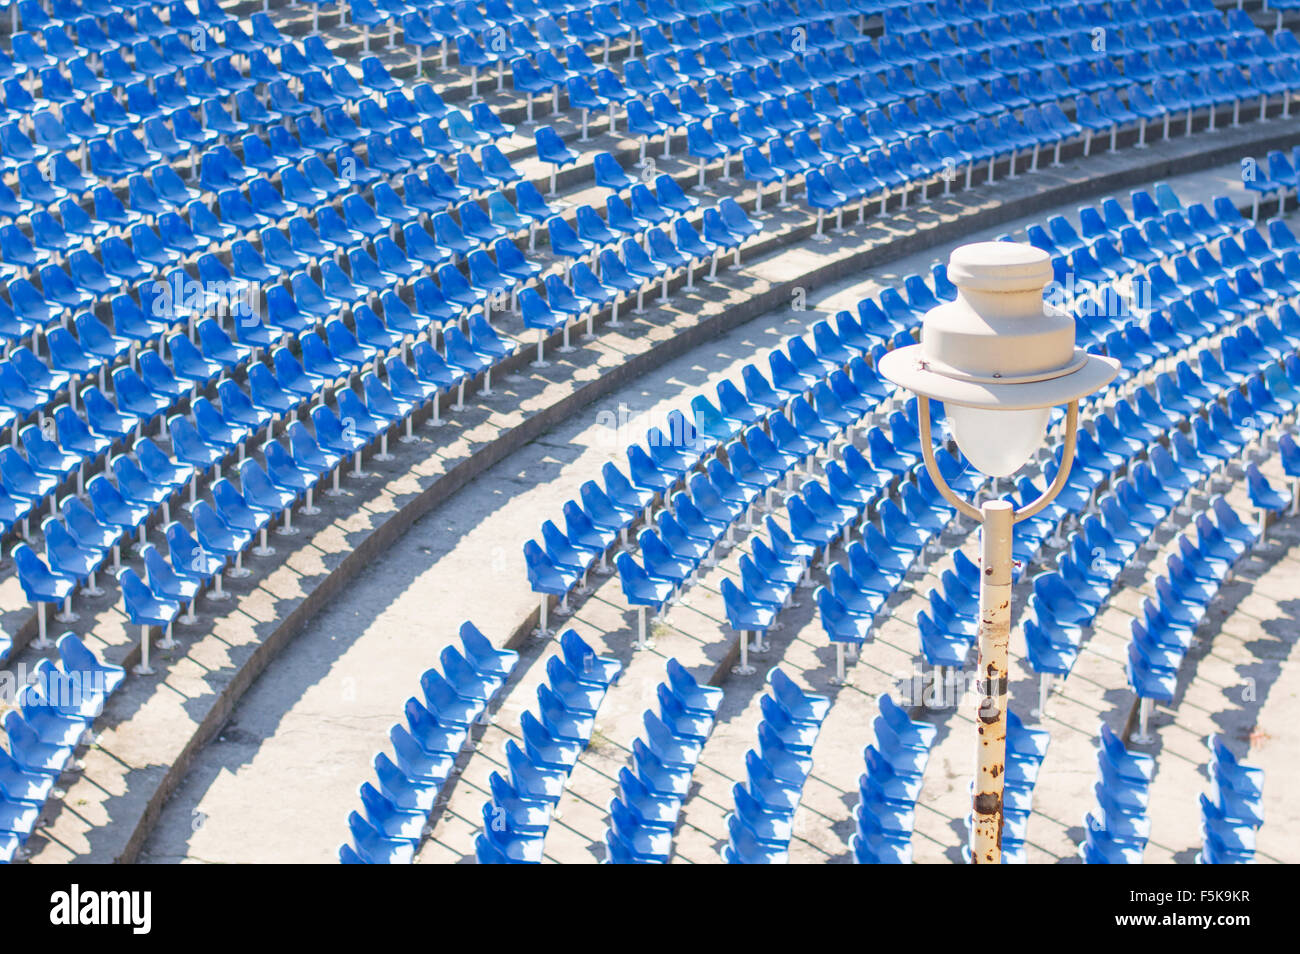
column 997, row 517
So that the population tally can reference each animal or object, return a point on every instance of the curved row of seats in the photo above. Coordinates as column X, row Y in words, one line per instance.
column 887, row 790
column 863, row 163
column 700, row 508
column 1023, row 490
column 52, row 719
column 518, row 812
column 1087, row 287
column 1233, row 811
column 761, row 824
column 1116, row 831
column 1192, row 578
column 396, row 811
column 644, row 813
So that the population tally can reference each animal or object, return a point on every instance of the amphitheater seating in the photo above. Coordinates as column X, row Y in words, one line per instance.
column 1117, row 832
column 519, row 811
column 353, row 279
column 759, row 828
column 1068, row 597
column 395, row 811
column 1064, row 600
column 887, row 790
column 1232, row 813
column 644, row 813
column 52, row 720
column 715, row 501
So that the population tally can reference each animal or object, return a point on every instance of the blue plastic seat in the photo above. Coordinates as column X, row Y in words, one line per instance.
column 551, row 150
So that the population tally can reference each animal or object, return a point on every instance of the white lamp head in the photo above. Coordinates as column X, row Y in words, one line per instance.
column 998, row 348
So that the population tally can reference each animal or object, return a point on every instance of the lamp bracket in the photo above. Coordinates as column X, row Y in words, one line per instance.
column 969, row 510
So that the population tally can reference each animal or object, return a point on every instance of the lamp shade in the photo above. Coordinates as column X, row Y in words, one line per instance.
column 999, row 346
column 998, row 442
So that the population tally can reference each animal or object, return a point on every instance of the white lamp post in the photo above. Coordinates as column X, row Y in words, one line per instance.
column 1000, row 358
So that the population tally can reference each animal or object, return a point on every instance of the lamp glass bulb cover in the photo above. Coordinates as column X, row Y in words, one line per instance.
column 997, row 443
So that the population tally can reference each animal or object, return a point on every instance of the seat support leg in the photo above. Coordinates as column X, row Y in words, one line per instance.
column 838, row 679
column 66, row 615
column 541, row 632
column 1144, row 736
column 42, row 638
column 1044, row 690
column 142, row 668
column 743, row 668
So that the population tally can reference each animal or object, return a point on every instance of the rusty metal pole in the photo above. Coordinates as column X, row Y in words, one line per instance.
column 997, row 517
